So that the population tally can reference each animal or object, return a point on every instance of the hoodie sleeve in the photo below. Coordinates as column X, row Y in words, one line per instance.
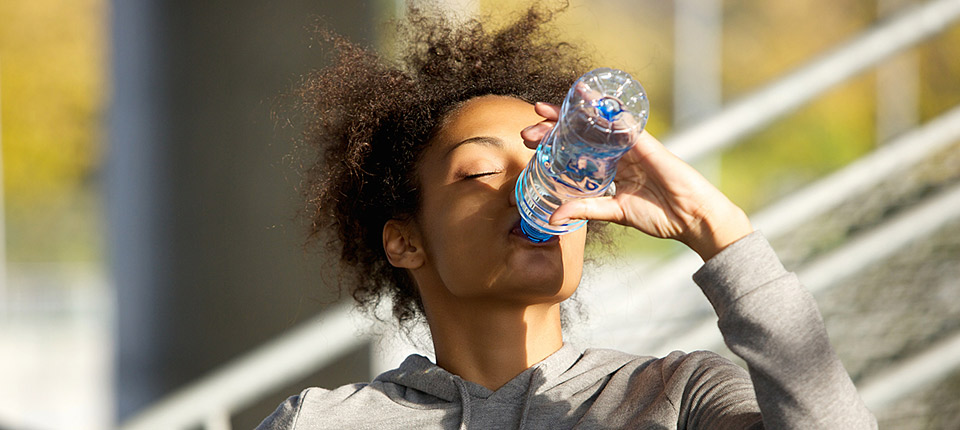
column 285, row 416
column 772, row 322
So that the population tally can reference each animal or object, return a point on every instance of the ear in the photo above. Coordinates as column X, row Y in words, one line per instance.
column 401, row 243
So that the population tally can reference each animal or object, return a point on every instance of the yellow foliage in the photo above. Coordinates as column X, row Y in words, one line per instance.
column 52, row 56
column 52, row 63
column 52, row 93
column 762, row 40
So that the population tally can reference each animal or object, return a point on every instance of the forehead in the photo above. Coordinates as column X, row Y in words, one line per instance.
column 500, row 116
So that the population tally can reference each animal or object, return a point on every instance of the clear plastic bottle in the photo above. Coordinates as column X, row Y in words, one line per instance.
column 601, row 117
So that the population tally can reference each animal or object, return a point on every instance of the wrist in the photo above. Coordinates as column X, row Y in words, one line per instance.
column 718, row 231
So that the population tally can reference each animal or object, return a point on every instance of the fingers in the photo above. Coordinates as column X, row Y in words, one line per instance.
column 596, row 208
column 547, row 110
column 534, row 133
column 647, row 145
column 588, row 94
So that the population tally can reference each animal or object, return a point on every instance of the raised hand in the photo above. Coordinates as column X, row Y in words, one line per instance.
column 657, row 193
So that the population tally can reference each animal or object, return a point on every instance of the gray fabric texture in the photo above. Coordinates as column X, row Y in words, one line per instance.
column 795, row 379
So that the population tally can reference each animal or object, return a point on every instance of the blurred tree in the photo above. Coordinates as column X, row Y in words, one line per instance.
column 52, row 62
column 761, row 41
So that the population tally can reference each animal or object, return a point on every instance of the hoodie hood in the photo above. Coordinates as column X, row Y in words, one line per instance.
column 422, row 377
column 421, row 374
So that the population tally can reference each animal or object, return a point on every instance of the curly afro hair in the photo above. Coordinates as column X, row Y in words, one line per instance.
column 370, row 120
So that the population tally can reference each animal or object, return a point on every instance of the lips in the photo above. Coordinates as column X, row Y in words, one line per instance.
column 517, row 231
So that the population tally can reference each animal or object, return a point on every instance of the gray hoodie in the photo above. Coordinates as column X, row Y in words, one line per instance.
column 795, row 380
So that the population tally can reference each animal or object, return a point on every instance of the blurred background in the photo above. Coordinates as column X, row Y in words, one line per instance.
column 152, row 268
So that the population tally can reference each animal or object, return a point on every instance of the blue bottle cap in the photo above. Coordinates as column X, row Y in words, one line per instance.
column 609, row 108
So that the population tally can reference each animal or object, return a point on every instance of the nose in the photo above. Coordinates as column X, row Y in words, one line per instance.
column 521, row 164
column 511, row 190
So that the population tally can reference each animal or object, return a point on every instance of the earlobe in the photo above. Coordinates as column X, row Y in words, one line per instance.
column 401, row 244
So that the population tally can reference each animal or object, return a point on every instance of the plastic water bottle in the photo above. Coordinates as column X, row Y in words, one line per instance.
column 601, row 117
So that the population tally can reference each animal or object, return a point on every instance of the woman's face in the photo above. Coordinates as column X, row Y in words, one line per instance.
column 468, row 218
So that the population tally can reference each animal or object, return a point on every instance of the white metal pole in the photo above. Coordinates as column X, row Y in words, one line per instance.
column 237, row 384
column 217, row 420
column 930, row 366
column 782, row 96
column 697, row 89
column 697, row 72
column 897, row 85
column 3, row 209
column 618, row 300
column 825, row 272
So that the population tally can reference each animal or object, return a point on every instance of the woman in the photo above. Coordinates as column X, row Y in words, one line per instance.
column 415, row 183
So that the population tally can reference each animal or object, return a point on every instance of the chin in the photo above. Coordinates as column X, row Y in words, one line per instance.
column 544, row 272
column 544, row 284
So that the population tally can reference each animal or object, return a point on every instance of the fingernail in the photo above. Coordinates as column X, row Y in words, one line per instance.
column 560, row 221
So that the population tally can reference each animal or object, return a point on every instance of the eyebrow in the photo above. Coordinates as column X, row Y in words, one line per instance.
column 480, row 140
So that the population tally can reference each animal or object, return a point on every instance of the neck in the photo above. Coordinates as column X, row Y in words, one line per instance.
column 491, row 343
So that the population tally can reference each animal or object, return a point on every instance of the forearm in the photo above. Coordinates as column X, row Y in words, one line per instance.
column 722, row 224
column 768, row 319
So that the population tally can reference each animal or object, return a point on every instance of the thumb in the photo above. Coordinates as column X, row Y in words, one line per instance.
column 594, row 208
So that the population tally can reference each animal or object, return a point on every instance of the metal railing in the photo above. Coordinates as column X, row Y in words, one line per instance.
column 237, row 384
column 779, row 98
column 829, row 270
column 816, row 199
column 210, row 400
column 911, row 374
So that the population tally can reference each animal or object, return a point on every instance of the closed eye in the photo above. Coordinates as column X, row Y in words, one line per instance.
column 480, row 175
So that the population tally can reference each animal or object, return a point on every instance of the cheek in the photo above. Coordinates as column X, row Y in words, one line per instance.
column 453, row 223
column 573, row 245
column 465, row 217
column 457, row 240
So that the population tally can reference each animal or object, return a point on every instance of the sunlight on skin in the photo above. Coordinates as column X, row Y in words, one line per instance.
column 491, row 296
